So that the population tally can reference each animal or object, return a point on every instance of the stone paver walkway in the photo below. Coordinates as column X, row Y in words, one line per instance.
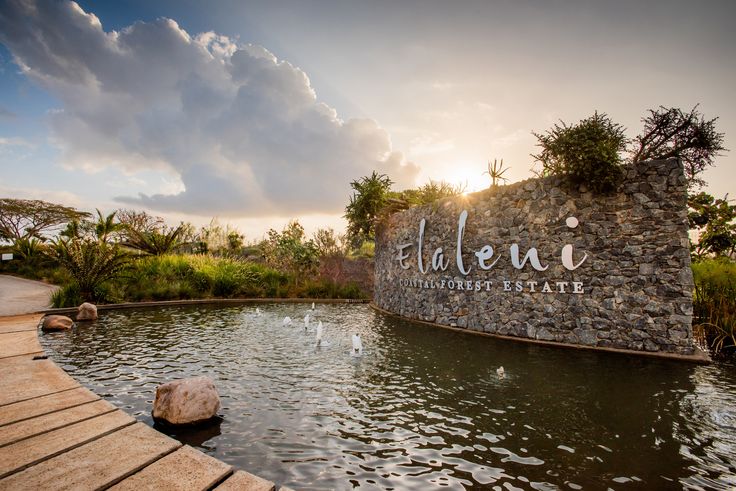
column 55, row 434
column 20, row 296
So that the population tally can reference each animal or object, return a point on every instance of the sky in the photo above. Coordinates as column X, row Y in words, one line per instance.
column 258, row 112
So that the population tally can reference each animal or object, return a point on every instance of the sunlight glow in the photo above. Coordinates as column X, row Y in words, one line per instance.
column 469, row 175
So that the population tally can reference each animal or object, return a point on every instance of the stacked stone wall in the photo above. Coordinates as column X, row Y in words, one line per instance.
column 604, row 271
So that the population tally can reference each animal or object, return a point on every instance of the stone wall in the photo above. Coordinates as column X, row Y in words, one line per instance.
column 604, row 271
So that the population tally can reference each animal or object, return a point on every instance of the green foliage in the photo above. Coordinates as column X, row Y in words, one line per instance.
column 218, row 239
column 90, row 263
column 288, row 251
column 23, row 218
column 370, row 195
column 67, row 296
column 327, row 243
column 106, row 226
column 715, row 223
column 715, row 302
column 585, row 153
column 670, row 132
column 156, row 242
column 28, row 249
column 425, row 194
column 178, row 276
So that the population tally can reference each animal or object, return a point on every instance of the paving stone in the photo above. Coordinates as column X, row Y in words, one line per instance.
column 186, row 469
column 97, row 464
column 19, row 343
column 48, row 422
column 16, row 456
column 31, row 408
column 244, row 481
column 28, row 322
column 24, row 378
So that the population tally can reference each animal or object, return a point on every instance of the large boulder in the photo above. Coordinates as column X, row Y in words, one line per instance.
column 87, row 312
column 186, row 401
column 56, row 323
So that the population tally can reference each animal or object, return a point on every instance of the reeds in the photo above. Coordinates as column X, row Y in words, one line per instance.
column 714, row 302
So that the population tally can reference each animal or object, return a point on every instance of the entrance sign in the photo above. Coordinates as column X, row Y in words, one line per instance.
column 539, row 260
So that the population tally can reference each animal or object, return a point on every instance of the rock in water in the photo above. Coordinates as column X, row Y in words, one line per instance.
column 56, row 323
column 186, row 401
column 87, row 312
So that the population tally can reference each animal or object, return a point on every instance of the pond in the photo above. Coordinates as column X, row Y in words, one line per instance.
column 422, row 408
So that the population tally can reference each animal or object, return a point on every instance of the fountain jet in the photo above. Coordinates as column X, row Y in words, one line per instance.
column 357, row 345
column 320, row 331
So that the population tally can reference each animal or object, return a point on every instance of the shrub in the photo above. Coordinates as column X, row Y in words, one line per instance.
column 66, row 296
column 90, row 263
column 585, row 153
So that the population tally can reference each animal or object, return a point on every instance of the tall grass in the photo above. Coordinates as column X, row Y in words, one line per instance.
column 715, row 303
column 185, row 276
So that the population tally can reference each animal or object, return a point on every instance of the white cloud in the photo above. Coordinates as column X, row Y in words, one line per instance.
column 242, row 130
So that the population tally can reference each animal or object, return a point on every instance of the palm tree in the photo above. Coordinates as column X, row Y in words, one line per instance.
column 496, row 172
column 106, row 225
column 155, row 242
column 90, row 262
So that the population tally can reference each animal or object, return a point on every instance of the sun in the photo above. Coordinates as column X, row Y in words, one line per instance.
column 468, row 176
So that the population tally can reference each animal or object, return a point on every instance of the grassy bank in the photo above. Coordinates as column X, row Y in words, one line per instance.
column 187, row 276
column 715, row 303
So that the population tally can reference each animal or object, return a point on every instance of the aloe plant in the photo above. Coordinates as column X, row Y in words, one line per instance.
column 496, row 171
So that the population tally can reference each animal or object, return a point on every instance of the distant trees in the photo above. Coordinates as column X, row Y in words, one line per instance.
column 713, row 219
column 24, row 218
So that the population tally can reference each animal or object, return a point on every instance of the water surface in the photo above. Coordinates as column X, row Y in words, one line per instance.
column 423, row 407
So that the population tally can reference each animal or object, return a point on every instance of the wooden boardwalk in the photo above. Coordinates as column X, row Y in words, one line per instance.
column 55, row 434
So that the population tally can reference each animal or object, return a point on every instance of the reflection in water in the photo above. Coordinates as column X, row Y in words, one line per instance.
column 422, row 408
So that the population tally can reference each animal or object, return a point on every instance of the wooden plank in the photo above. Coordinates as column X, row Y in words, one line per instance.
column 186, row 469
column 24, row 453
column 20, row 323
column 24, row 378
column 48, row 422
column 97, row 464
column 19, row 411
column 19, row 343
column 245, row 481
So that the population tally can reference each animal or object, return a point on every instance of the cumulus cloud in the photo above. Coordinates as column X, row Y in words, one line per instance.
column 242, row 130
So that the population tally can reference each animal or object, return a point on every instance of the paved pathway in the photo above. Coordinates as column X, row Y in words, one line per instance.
column 55, row 434
column 21, row 296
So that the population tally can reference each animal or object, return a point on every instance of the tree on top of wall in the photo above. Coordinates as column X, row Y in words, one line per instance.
column 670, row 132
column 584, row 153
